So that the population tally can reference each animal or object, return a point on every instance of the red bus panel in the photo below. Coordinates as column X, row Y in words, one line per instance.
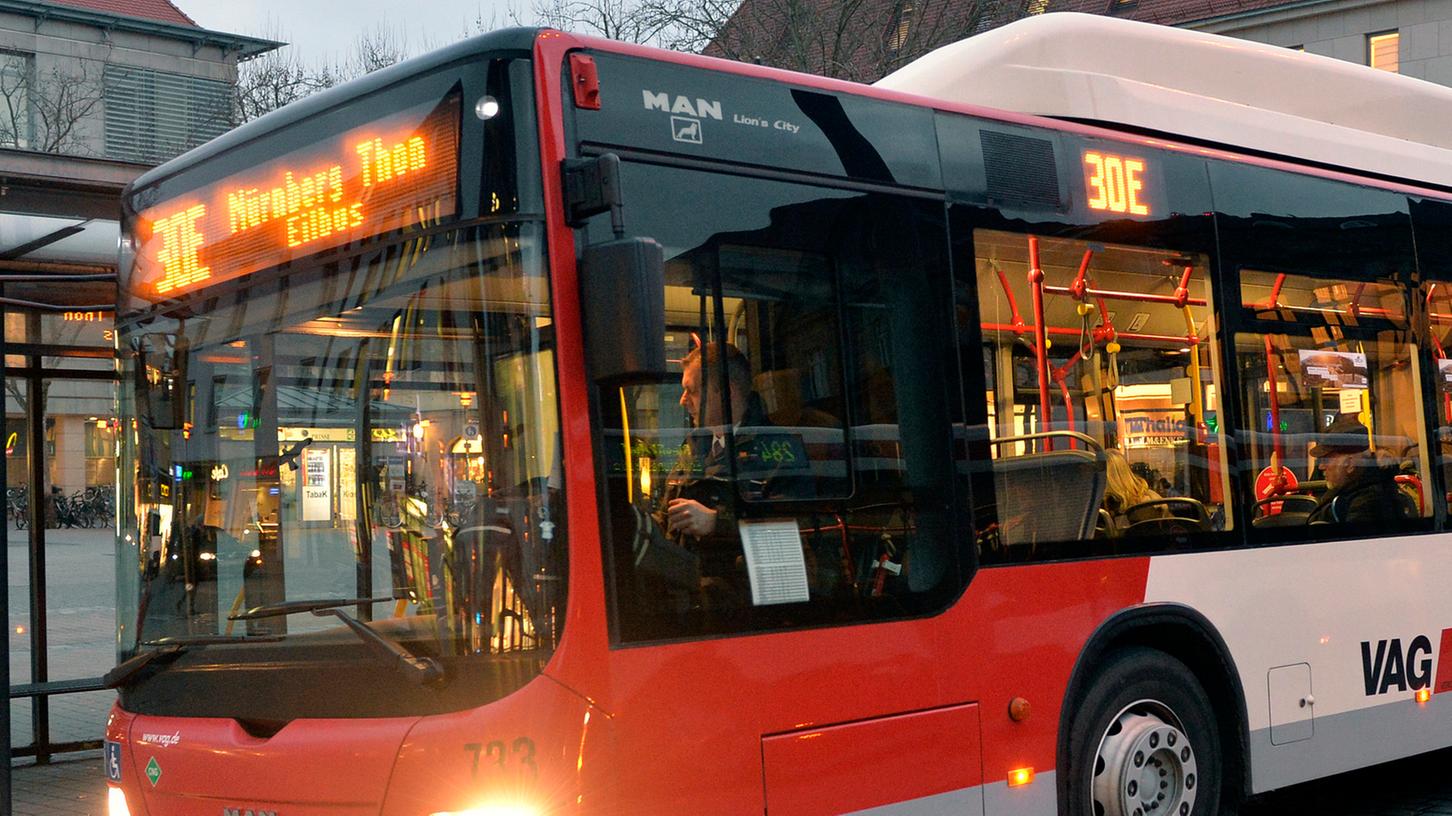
column 844, row 768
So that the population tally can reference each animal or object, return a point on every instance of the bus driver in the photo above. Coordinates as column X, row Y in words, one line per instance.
column 699, row 508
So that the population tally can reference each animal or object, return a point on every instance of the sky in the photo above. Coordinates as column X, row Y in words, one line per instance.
column 324, row 31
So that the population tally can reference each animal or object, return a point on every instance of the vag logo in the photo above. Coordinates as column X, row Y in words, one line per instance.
column 1387, row 664
column 700, row 108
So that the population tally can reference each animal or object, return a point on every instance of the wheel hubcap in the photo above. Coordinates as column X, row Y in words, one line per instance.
column 1145, row 765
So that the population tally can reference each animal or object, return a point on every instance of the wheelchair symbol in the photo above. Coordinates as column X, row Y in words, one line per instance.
column 113, row 761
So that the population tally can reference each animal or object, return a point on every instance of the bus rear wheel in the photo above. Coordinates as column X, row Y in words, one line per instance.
column 1144, row 742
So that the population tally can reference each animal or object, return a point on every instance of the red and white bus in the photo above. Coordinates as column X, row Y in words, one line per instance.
column 1049, row 433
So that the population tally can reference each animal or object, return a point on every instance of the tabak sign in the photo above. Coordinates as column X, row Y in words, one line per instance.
column 393, row 172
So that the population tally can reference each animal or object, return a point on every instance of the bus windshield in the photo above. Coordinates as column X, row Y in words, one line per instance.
column 380, row 430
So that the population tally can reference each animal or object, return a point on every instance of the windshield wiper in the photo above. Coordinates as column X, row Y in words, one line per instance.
column 421, row 670
column 168, row 649
column 277, row 610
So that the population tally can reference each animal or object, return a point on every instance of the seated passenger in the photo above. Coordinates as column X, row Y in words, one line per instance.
column 1362, row 485
column 1125, row 489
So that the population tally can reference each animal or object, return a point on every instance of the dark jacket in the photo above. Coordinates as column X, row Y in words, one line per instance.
column 1371, row 496
column 770, row 465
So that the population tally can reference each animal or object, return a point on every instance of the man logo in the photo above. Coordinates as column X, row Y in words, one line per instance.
column 700, row 109
column 686, row 130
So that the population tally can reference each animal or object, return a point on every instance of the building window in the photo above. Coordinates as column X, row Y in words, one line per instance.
column 1037, row 7
column 15, row 82
column 152, row 116
column 898, row 37
column 1383, row 50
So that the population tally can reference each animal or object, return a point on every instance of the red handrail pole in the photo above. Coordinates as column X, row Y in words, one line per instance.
column 1099, row 333
column 1275, row 409
column 1275, row 294
column 1041, row 336
column 1068, row 409
column 1182, row 292
column 1080, row 286
column 1062, row 371
column 1114, row 294
column 1018, row 326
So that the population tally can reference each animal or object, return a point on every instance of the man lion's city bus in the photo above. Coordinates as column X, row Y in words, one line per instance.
column 1081, row 345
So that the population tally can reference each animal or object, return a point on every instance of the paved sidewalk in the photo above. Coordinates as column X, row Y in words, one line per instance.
column 72, row 785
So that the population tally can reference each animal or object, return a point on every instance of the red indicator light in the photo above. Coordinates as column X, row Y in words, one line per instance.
column 1115, row 183
column 586, row 81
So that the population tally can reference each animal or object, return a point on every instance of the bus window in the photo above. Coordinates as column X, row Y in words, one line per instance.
column 792, row 470
column 384, row 436
column 1111, row 406
column 1438, row 299
column 1330, row 385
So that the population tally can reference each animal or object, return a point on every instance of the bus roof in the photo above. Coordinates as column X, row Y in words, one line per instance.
column 1197, row 86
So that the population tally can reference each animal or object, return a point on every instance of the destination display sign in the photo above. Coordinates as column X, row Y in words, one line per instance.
column 391, row 173
column 1115, row 183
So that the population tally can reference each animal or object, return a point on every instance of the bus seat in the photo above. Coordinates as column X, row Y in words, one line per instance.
column 1177, row 515
column 1048, row 496
column 1294, row 509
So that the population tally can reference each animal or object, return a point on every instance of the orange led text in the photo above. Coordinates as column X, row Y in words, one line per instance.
column 1115, row 183
column 180, row 242
column 382, row 164
column 250, row 208
column 350, row 186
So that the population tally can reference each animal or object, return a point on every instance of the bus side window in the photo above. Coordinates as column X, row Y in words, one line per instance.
column 1432, row 224
column 1111, row 407
column 1330, row 380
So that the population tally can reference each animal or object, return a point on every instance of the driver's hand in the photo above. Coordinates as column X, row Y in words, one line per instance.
column 690, row 517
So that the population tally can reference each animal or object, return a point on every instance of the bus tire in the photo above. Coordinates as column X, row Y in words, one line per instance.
column 1143, row 742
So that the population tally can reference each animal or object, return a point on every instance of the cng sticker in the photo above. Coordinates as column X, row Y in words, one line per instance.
column 153, row 771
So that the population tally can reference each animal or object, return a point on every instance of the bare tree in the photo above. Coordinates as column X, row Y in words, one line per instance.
column 625, row 20
column 272, row 80
column 861, row 40
column 376, row 48
column 279, row 77
column 62, row 101
column 45, row 110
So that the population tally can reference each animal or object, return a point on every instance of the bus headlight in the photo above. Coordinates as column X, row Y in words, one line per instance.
column 497, row 809
column 116, row 802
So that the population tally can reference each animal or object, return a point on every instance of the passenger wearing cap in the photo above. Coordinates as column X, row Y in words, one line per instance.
column 1362, row 488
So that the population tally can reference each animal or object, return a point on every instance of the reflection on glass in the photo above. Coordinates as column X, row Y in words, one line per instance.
column 1331, row 392
column 382, row 430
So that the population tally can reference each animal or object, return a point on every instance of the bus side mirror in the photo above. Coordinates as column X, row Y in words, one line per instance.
column 622, row 286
